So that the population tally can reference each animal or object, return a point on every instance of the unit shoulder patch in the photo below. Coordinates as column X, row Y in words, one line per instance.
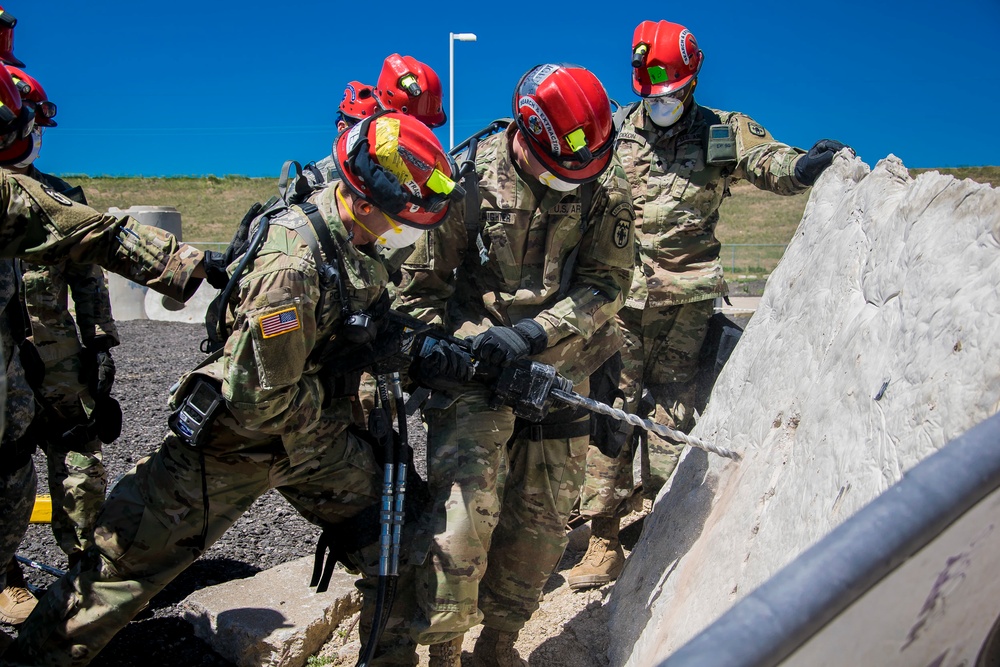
column 621, row 233
column 58, row 196
column 756, row 129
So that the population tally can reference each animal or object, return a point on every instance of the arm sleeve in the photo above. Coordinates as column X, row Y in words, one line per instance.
column 602, row 274
column 429, row 273
column 92, row 302
column 264, row 362
column 45, row 227
column 761, row 160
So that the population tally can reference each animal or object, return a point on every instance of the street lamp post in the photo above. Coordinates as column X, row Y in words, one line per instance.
column 462, row 37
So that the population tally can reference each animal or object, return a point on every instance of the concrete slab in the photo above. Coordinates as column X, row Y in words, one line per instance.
column 272, row 619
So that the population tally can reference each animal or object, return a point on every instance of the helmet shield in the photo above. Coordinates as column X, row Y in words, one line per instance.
column 665, row 58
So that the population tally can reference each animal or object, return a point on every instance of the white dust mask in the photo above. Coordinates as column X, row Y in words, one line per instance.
column 663, row 111
column 399, row 236
column 550, row 180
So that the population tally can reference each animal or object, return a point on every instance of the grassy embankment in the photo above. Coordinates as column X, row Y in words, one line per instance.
column 211, row 207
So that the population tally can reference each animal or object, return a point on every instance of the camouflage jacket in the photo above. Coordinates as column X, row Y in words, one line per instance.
column 522, row 262
column 287, row 314
column 54, row 332
column 677, row 197
column 45, row 227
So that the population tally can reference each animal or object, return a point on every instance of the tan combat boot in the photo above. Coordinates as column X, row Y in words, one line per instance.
column 446, row 654
column 604, row 559
column 16, row 601
column 496, row 649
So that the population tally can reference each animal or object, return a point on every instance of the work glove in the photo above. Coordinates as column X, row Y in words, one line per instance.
column 107, row 418
column 809, row 166
column 215, row 269
column 446, row 366
column 500, row 346
column 97, row 368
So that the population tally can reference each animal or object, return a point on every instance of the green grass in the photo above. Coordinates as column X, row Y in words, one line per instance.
column 211, row 208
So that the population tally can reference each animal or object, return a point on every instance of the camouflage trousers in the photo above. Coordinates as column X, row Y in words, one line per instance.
column 154, row 525
column 17, row 498
column 491, row 539
column 662, row 346
column 77, row 479
column 18, row 482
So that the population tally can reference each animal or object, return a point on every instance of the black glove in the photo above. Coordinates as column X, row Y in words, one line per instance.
column 97, row 370
column 215, row 269
column 499, row 346
column 107, row 418
column 809, row 166
column 447, row 366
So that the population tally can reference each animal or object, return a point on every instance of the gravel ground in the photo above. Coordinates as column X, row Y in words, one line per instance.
column 150, row 359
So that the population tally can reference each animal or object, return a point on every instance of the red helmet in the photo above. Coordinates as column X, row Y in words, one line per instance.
column 408, row 85
column 665, row 58
column 32, row 92
column 7, row 23
column 359, row 101
column 17, row 119
column 395, row 162
column 564, row 113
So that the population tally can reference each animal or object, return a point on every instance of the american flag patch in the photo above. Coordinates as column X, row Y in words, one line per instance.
column 279, row 323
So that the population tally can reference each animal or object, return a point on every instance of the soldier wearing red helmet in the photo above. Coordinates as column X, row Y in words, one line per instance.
column 411, row 87
column 681, row 159
column 537, row 270
column 264, row 412
column 358, row 104
column 76, row 386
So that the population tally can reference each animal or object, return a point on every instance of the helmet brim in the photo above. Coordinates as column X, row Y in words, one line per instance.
column 592, row 171
column 658, row 89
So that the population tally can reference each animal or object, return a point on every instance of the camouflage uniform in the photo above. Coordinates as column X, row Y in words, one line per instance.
column 515, row 267
column 77, row 479
column 677, row 198
column 17, row 473
column 278, row 428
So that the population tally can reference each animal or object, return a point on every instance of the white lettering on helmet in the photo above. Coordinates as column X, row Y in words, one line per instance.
column 683, row 44
column 543, row 73
column 546, row 123
column 352, row 137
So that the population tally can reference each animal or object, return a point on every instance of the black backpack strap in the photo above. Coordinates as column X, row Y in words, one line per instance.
column 294, row 188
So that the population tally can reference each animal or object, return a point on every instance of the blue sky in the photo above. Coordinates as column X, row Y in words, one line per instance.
column 222, row 87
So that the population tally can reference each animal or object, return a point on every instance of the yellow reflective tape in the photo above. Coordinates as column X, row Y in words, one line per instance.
column 440, row 183
column 576, row 139
column 387, row 149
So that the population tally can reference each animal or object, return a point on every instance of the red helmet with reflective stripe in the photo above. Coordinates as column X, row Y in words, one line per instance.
column 359, row 101
column 32, row 92
column 395, row 162
column 665, row 58
column 7, row 23
column 408, row 85
column 564, row 113
column 17, row 119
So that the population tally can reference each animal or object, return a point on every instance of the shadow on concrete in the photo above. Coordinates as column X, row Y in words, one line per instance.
column 201, row 574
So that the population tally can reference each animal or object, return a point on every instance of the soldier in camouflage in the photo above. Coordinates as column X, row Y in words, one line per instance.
column 44, row 226
column 537, row 271
column 265, row 411
column 75, row 468
column 680, row 158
